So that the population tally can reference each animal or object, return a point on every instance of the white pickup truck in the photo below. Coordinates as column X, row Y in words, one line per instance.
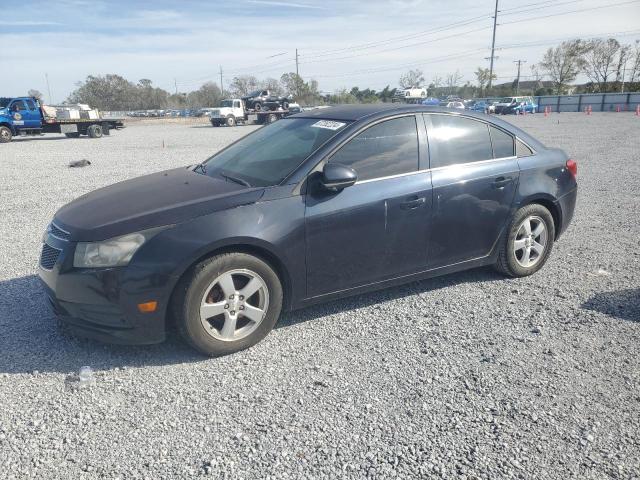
column 233, row 111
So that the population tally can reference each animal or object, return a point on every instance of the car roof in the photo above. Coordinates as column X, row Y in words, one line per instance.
column 356, row 113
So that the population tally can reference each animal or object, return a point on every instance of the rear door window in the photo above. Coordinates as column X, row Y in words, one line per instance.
column 502, row 143
column 454, row 140
column 385, row 149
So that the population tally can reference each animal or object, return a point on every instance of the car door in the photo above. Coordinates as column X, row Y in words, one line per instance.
column 31, row 115
column 378, row 228
column 18, row 109
column 475, row 174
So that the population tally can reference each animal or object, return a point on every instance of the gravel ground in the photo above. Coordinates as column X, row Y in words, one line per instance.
column 465, row 376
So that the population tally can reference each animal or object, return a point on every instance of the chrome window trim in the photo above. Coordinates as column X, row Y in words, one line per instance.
column 533, row 150
column 426, row 170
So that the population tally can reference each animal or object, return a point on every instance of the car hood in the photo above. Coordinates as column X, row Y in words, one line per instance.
column 162, row 198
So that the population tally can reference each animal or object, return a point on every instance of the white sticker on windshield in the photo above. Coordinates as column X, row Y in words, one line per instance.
column 329, row 124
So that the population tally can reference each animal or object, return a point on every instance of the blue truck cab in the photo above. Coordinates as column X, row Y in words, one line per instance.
column 21, row 116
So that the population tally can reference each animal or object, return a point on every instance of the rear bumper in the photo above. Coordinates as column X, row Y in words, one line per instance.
column 567, row 205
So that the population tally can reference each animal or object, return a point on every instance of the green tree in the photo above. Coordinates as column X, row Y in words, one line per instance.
column 413, row 78
column 563, row 63
column 483, row 75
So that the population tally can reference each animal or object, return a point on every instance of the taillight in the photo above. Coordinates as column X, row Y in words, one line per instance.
column 572, row 166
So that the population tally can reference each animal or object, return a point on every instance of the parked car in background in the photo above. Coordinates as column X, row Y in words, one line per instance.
column 265, row 100
column 480, row 106
column 409, row 94
column 508, row 105
column 318, row 206
column 431, row 101
column 458, row 105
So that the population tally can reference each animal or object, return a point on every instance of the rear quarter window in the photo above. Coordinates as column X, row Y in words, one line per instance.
column 502, row 143
column 522, row 150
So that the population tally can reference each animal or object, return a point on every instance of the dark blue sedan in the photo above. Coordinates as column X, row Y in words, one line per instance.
column 323, row 204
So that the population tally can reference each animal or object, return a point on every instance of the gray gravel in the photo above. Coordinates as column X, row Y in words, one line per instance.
column 466, row 376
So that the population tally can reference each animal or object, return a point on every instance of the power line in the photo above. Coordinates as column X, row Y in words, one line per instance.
column 369, row 45
column 520, row 8
column 570, row 11
column 400, row 47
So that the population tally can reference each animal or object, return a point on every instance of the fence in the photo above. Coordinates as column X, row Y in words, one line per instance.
column 599, row 102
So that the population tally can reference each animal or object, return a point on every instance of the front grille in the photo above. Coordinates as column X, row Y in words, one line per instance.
column 49, row 256
column 58, row 232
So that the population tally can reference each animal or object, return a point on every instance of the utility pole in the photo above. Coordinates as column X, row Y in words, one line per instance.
column 297, row 76
column 519, row 62
column 175, row 83
column 46, row 76
column 221, row 85
column 493, row 45
column 624, row 72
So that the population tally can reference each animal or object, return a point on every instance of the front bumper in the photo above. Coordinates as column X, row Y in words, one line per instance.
column 102, row 303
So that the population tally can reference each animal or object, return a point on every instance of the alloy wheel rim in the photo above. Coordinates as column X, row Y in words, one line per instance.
column 234, row 305
column 4, row 133
column 531, row 240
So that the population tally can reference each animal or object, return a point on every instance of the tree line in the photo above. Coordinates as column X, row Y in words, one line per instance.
column 604, row 62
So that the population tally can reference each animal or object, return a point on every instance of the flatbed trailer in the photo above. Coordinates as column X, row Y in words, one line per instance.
column 25, row 116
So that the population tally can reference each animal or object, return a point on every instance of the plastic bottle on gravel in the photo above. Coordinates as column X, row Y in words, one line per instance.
column 86, row 377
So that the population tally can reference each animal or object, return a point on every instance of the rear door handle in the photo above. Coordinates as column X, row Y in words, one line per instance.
column 412, row 202
column 500, row 182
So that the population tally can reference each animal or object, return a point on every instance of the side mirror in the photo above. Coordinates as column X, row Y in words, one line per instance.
column 337, row 177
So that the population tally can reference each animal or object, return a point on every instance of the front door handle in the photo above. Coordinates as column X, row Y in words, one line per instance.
column 412, row 202
column 501, row 182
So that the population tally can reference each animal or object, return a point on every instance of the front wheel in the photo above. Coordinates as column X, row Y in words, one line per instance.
column 229, row 303
column 5, row 135
column 527, row 244
column 231, row 121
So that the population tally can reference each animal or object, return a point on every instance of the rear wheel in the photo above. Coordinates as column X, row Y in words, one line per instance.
column 272, row 117
column 94, row 131
column 5, row 135
column 229, row 303
column 257, row 106
column 527, row 244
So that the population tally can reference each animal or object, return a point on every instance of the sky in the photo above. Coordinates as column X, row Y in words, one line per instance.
column 341, row 43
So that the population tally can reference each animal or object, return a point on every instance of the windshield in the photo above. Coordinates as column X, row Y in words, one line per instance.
column 4, row 102
column 270, row 154
column 227, row 103
column 255, row 94
column 507, row 100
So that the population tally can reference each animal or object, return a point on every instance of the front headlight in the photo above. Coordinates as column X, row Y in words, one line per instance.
column 115, row 252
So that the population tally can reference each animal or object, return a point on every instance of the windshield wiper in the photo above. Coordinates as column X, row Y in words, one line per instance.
column 235, row 179
column 202, row 167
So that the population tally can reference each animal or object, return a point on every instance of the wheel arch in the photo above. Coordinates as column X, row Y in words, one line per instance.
column 259, row 250
column 550, row 204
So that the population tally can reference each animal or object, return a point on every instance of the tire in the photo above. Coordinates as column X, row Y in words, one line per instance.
column 5, row 135
column 209, row 284
column 257, row 106
column 72, row 135
column 285, row 105
column 94, row 131
column 514, row 262
column 272, row 117
column 214, row 124
column 231, row 121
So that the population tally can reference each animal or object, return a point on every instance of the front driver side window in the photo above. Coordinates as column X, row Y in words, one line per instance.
column 18, row 106
column 385, row 149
